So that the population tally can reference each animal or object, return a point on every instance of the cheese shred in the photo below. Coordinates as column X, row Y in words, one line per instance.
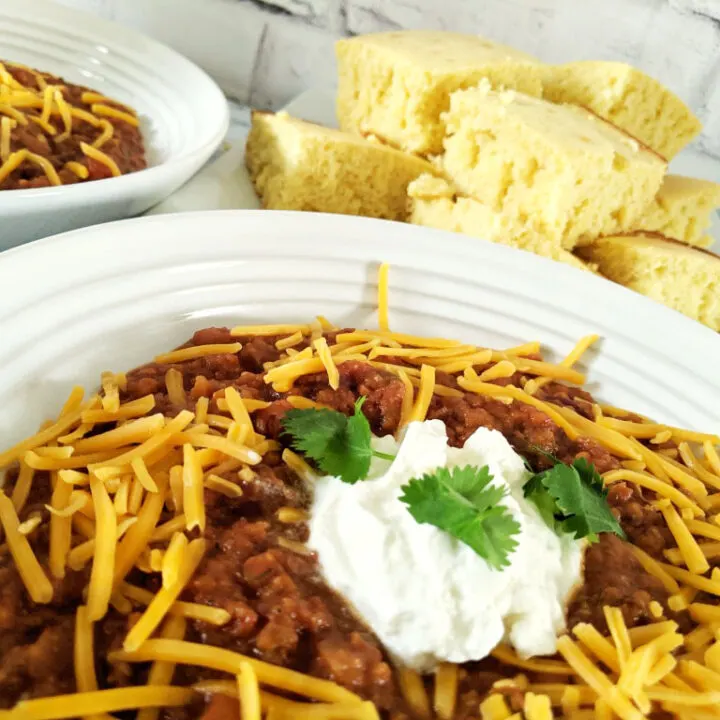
column 166, row 596
column 161, row 673
column 323, row 351
column 86, row 704
column 33, row 576
column 193, row 501
column 383, row 300
column 100, row 587
column 215, row 658
column 248, row 692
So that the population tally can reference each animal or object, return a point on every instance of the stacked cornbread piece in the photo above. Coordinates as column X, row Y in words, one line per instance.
column 456, row 132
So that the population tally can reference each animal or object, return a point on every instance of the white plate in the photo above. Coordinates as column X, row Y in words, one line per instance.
column 111, row 297
column 184, row 114
column 318, row 105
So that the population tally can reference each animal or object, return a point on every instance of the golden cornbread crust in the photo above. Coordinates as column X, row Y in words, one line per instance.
column 396, row 85
column 434, row 203
column 297, row 165
column 558, row 169
column 628, row 98
column 684, row 278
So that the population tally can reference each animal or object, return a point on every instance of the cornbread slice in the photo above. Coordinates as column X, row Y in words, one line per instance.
column 558, row 168
column 683, row 278
column 628, row 98
column 397, row 84
column 681, row 210
column 434, row 203
column 297, row 165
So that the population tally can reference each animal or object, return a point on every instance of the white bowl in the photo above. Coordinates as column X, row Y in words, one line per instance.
column 111, row 297
column 184, row 115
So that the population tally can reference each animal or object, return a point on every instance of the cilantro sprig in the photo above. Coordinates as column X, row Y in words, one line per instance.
column 464, row 504
column 461, row 501
column 339, row 445
column 573, row 499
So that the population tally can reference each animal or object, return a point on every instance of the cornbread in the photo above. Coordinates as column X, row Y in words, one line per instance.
column 681, row 210
column 627, row 98
column 557, row 168
column 683, row 278
column 297, row 165
column 434, row 203
column 396, row 85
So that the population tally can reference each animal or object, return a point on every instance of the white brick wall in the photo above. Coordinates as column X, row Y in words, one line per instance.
column 266, row 51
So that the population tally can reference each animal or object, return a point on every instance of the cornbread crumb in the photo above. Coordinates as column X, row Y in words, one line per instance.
column 397, row 84
column 297, row 165
column 433, row 203
column 683, row 278
column 557, row 168
column 681, row 210
column 627, row 98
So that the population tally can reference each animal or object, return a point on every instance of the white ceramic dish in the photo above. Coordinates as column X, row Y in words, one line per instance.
column 74, row 305
column 184, row 114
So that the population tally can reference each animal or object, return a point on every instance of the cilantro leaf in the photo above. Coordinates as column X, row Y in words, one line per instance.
column 536, row 492
column 338, row 444
column 573, row 499
column 462, row 502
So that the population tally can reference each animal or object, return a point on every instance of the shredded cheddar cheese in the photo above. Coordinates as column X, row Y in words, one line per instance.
column 198, row 351
column 21, row 105
column 6, row 125
column 173, row 559
column 191, row 611
column 109, row 111
column 100, row 587
column 166, row 596
column 693, row 556
column 60, row 529
column 228, row 661
column 264, row 330
column 78, row 168
column 137, row 537
column 597, row 645
column 240, row 413
column 383, row 302
column 99, row 156
column 323, row 351
column 424, row 395
column 248, row 692
column 193, row 502
column 33, row 576
column 22, row 487
column 161, row 673
column 103, row 701
column 412, row 688
column 494, row 707
column 113, row 486
column 84, row 653
column 446, row 688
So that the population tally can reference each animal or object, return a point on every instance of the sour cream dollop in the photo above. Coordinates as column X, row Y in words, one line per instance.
column 428, row 597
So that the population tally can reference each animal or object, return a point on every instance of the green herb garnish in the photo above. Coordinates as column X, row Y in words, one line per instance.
column 573, row 499
column 462, row 502
column 339, row 445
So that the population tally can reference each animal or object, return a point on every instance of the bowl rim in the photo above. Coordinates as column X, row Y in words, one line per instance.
column 660, row 319
column 118, row 34
column 161, row 254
